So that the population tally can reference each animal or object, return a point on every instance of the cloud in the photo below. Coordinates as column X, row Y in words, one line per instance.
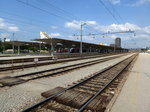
column 141, row 2
column 146, row 29
column 54, row 35
column 76, row 24
column 4, row 35
column 142, row 33
column 115, row 1
column 85, row 38
column 53, row 27
column 7, row 26
column 105, row 28
column 91, row 22
column 116, row 27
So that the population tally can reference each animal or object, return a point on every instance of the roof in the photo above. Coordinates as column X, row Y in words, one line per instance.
column 22, row 43
column 59, row 42
column 70, row 43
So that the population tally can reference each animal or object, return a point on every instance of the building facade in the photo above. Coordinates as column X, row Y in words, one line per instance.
column 118, row 42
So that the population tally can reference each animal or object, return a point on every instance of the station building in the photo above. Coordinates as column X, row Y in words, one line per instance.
column 60, row 46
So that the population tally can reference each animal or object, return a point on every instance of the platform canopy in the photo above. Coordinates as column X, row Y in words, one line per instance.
column 63, row 45
column 23, row 43
column 70, row 43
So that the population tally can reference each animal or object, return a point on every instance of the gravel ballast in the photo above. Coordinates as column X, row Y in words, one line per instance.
column 19, row 97
column 46, row 67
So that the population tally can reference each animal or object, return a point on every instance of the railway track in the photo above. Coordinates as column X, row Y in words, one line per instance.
column 30, row 63
column 10, row 81
column 89, row 95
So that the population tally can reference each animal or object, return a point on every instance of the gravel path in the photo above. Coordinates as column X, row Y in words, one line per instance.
column 16, row 98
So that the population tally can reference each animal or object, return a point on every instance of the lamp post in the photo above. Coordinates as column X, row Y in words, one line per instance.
column 81, row 38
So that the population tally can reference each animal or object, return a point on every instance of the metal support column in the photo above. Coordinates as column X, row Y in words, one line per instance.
column 18, row 49
column 81, row 38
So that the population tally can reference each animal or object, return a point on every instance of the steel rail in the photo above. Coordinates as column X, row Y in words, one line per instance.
column 73, row 86
column 50, row 62
column 58, row 70
column 79, row 65
column 69, row 69
column 82, row 108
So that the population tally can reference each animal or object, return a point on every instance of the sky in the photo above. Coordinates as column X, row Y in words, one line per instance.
column 63, row 18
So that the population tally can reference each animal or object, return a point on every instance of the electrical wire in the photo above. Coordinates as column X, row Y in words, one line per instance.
column 102, row 3
column 70, row 15
column 27, row 23
column 43, row 10
column 121, row 19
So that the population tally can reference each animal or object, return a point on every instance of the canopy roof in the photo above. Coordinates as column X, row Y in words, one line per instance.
column 60, row 42
column 71, row 43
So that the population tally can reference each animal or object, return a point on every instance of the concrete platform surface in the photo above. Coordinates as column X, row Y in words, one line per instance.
column 22, row 57
column 135, row 94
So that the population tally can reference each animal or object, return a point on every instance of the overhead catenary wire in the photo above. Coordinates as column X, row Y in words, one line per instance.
column 48, row 12
column 20, row 16
column 27, row 23
column 70, row 15
column 121, row 19
column 102, row 3
column 43, row 10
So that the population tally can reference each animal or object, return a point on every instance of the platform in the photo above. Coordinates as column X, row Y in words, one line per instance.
column 135, row 94
column 21, row 57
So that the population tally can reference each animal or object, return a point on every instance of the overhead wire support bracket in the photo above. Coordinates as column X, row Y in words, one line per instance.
column 92, row 34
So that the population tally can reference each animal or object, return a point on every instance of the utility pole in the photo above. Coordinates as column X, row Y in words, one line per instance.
column 81, row 38
column 4, row 45
column 114, row 48
column 13, row 46
column 52, row 48
column 40, row 47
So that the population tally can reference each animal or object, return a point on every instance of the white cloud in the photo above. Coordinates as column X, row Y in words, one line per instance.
column 117, row 27
column 7, row 26
column 54, row 35
column 141, row 2
column 142, row 33
column 4, row 36
column 13, row 28
column 76, row 24
column 53, row 27
column 112, row 36
column 73, row 25
column 144, row 36
column 91, row 22
column 115, row 1
column 146, row 29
